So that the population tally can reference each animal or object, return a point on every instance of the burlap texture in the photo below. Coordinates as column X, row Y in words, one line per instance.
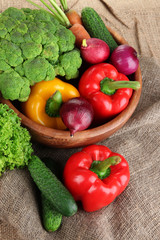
column 135, row 213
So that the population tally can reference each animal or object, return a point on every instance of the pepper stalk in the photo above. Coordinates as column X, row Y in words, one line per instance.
column 109, row 86
column 102, row 168
column 53, row 104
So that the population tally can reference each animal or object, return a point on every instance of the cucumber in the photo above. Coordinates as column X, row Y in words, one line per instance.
column 54, row 166
column 96, row 27
column 51, row 218
column 49, row 185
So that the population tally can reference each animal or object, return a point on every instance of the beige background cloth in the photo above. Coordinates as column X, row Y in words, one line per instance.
column 135, row 214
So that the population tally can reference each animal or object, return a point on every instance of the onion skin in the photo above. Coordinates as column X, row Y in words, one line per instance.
column 94, row 50
column 124, row 59
column 77, row 114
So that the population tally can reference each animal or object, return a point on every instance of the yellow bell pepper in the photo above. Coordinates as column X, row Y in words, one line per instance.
column 35, row 107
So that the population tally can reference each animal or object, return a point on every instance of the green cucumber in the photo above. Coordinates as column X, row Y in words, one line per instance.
column 96, row 27
column 49, row 185
column 54, row 166
column 51, row 218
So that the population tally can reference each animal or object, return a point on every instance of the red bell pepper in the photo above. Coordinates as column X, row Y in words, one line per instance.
column 107, row 90
column 96, row 176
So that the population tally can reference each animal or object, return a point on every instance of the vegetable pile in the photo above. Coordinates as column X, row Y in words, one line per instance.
column 38, row 45
column 15, row 145
column 34, row 46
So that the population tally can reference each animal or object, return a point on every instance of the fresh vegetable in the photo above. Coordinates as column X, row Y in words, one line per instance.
column 80, row 33
column 34, row 46
column 94, row 50
column 52, row 188
column 96, row 27
column 77, row 27
column 73, row 17
column 51, row 218
column 68, row 17
column 107, row 90
column 77, row 114
column 125, row 59
column 45, row 100
column 15, row 145
column 96, row 176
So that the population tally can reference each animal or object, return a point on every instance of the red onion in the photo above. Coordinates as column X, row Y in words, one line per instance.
column 94, row 50
column 124, row 59
column 77, row 114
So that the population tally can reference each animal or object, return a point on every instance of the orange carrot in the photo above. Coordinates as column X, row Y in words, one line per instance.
column 80, row 33
column 77, row 27
column 73, row 17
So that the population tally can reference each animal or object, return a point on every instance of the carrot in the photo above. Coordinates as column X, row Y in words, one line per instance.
column 77, row 27
column 73, row 17
column 80, row 33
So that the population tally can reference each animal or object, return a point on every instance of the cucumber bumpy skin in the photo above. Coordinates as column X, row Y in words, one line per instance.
column 56, row 193
column 96, row 27
column 51, row 218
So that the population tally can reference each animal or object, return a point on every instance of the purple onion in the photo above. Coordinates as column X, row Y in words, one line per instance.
column 94, row 50
column 77, row 114
column 124, row 59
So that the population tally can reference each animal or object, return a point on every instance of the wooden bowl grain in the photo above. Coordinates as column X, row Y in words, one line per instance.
column 61, row 139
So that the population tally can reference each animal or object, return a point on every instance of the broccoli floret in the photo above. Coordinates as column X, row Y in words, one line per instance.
column 66, row 39
column 3, row 65
column 38, row 69
column 34, row 46
column 15, row 145
column 10, row 53
column 20, row 70
column 13, row 86
column 51, row 52
column 15, row 14
column 70, row 62
column 31, row 49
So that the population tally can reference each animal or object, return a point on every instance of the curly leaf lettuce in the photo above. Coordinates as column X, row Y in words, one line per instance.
column 15, row 145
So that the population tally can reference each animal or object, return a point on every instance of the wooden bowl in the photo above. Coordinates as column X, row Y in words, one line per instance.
column 61, row 139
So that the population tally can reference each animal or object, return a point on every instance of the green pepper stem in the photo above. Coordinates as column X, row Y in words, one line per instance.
column 102, row 168
column 109, row 86
column 53, row 104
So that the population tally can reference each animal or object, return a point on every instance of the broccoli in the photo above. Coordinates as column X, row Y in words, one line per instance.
column 13, row 85
column 34, row 46
column 70, row 62
column 15, row 146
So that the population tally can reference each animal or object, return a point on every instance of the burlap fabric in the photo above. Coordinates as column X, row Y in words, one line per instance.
column 135, row 213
